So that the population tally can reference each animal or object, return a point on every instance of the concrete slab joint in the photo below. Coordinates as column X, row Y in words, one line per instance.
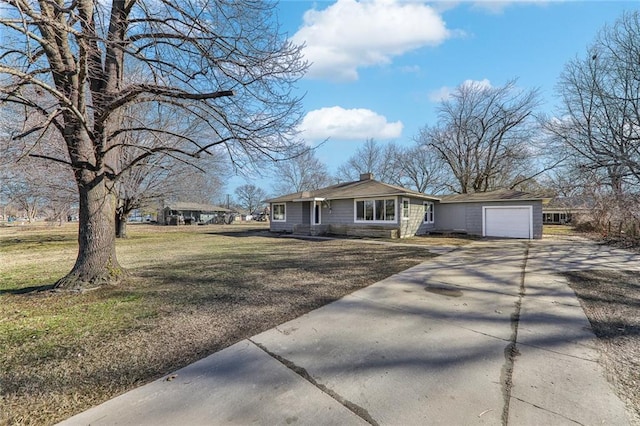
column 354, row 408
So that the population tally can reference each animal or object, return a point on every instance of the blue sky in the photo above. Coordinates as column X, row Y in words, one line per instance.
column 380, row 67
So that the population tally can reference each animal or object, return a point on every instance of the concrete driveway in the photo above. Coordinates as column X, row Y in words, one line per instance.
column 486, row 334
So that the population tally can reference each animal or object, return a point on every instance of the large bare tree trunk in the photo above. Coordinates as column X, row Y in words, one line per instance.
column 96, row 263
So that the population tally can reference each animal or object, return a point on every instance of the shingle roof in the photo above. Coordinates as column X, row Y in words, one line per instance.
column 570, row 203
column 498, row 195
column 367, row 188
column 196, row 207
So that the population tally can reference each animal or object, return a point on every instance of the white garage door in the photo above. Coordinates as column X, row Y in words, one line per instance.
column 508, row 221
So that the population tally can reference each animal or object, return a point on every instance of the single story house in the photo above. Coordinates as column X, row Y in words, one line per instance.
column 564, row 210
column 180, row 213
column 371, row 208
column 556, row 216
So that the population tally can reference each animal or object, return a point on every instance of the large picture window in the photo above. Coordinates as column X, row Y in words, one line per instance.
column 428, row 212
column 382, row 210
column 279, row 213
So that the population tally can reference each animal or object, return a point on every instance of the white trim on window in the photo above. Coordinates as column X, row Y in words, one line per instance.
column 375, row 210
column 429, row 213
column 279, row 216
column 406, row 209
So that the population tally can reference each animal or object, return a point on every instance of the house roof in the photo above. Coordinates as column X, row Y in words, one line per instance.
column 568, row 205
column 498, row 195
column 365, row 188
column 574, row 203
column 196, row 207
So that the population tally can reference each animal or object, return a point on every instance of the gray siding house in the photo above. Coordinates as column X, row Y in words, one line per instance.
column 362, row 208
column 370, row 208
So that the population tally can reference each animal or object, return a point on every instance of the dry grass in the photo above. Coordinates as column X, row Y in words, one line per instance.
column 611, row 301
column 559, row 230
column 191, row 291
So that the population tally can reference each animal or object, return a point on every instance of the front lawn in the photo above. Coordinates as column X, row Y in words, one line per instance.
column 191, row 291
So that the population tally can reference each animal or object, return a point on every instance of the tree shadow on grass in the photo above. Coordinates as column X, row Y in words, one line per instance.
column 250, row 232
column 28, row 290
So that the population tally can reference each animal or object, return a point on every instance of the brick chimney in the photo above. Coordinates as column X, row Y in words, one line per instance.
column 366, row 176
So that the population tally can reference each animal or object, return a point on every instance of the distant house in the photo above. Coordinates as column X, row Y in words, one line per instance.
column 564, row 210
column 180, row 213
column 371, row 208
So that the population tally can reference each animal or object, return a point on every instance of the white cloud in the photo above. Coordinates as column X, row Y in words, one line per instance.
column 350, row 34
column 444, row 93
column 348, row 124
column 497, row 7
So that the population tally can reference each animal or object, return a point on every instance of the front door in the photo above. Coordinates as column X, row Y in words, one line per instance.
column 316, row 214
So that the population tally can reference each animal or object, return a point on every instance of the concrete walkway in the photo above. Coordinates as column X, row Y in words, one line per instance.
column 486, row 334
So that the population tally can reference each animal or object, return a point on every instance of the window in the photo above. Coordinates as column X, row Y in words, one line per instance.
column 428, row 212
column 390, row 208
column 405, row 208
column 279, row 213
column 382, row 210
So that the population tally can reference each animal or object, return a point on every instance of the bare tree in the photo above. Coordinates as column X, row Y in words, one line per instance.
column 304, row 172
column 372, row 157
column 77, row 65
column 598, row 123
column 599, row 120
column 250, row 197
column 423, row 170
column 29, row 198
column 484, row 135
column 38, row 189
column 417, row 167
column 162, row 176
column 202, row 184
column 562, row 183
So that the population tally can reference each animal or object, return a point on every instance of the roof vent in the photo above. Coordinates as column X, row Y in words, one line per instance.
column 366, row 176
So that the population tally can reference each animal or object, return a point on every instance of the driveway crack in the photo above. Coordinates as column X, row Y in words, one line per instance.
column 511, row 351
column 548, row 411
column 302, row 372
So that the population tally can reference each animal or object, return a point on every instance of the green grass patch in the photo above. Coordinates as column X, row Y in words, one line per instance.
column 38, row 242
column 559, row 230
column 34, row 325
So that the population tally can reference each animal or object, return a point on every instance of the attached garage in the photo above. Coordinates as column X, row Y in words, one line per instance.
column 502, row 213
column 507, row 221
